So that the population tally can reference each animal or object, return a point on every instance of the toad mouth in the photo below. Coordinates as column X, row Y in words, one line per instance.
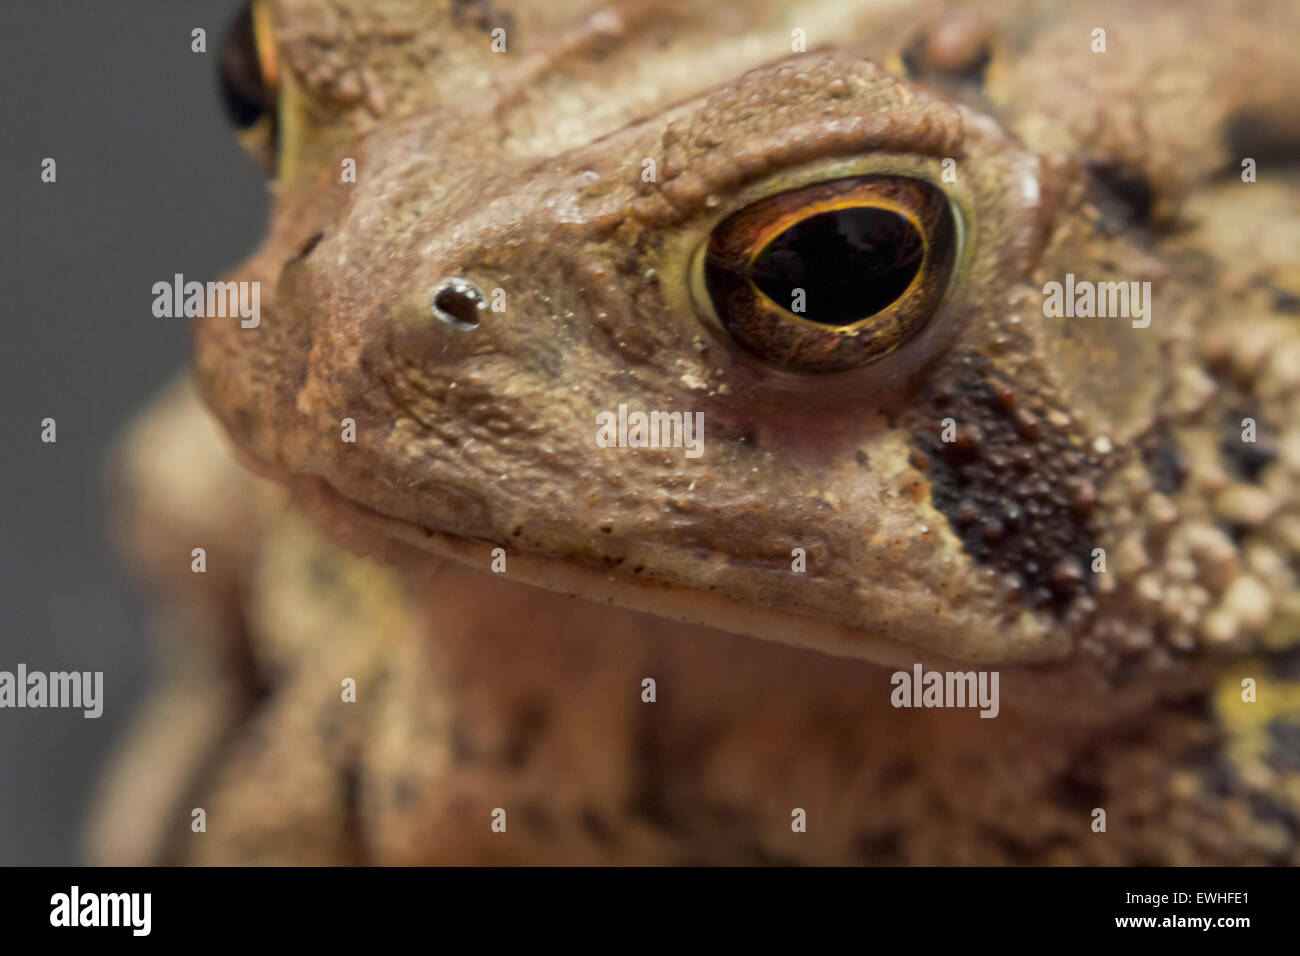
column 409, row 544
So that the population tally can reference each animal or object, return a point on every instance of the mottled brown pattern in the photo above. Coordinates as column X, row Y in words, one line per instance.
column 523, row 172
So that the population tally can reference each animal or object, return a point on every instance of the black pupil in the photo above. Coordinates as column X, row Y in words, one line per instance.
column 850, row 264
column 458, row 304
column 243, row 88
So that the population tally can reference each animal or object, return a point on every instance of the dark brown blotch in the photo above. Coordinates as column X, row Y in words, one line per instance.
column 528, row 723
column 1016, row 488
column 1164, row 460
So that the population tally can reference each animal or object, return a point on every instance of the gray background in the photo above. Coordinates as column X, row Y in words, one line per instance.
column 150, row 183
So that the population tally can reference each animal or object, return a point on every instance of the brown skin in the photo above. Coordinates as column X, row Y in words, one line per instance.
column 522, row 171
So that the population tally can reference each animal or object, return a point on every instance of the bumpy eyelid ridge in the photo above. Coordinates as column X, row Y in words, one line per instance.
column 840, row 108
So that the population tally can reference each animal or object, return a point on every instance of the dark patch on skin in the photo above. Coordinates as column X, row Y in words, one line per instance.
column 1246, row 460
column 1261, row 137
column 884, row 848
column 1014, row 488
column 1194, row 705
column 597, row 827
column 462, row 746
column 1285, row 301
column 650, row 802
column 1122, row 195
column 482, row 15
column 1237, row 531
column 1078, row 788
column 537, row 818
column 1266, row 809
column 901, row 771
column 1220, row 779
column 350, row 797
column 668, row 761
column 1284, row 755
column 527, row 724
column 1216, row 777
column 1164, row 460
column 1287, row 665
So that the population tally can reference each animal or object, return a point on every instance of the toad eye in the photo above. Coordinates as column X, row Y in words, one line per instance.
column 832, row 276
column 247, row 73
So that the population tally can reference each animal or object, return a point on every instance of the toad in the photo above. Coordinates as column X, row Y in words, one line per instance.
column 414, row 611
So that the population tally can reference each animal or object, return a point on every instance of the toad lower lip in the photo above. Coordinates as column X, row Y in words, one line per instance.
column 406, row 543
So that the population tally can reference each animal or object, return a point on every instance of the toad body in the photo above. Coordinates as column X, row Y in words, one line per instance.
column 645, row 396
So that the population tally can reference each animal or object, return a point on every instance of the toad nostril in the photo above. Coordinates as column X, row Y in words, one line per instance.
column 458, row 303
column 306, row 248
